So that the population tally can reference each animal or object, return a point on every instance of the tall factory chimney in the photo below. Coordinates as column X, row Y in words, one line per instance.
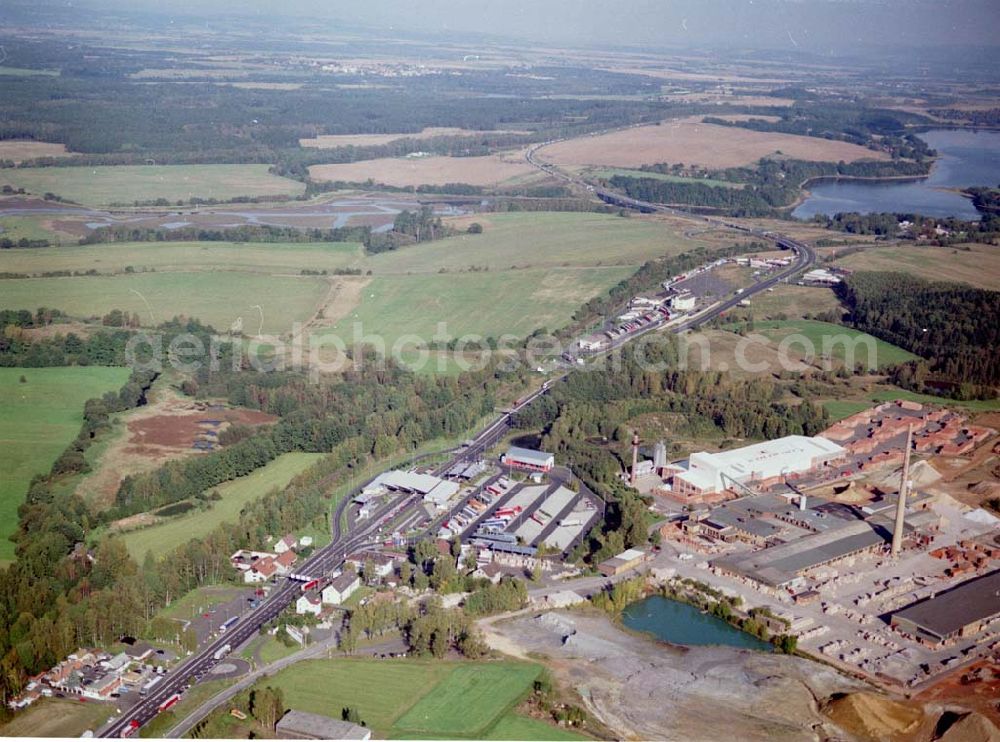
column 635, row 456
column 904, row 484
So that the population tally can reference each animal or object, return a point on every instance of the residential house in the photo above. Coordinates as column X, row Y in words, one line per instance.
column 284, row 561
column 309, row 603
column 383, row 563
column 285, row 544
column 261, row 571
column 341, row 588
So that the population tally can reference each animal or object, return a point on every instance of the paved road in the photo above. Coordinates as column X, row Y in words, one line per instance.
column 327, row 559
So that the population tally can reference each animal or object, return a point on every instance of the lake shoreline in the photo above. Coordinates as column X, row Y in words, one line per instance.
column 965, row 158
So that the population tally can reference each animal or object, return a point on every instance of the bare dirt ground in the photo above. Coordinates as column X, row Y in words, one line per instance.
column 162, row 430
column 980, row 692
column 48, row 332
column 414, row 171
column 20, row 150
column 330, row 141
column 344, row 296
column 647, row 690
column 692, row 142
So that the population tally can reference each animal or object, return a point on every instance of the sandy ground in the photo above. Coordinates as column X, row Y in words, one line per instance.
column 414, row 171
column 648, row 690
column 691, row 142
column 344, row 297
column 329, row 141
column 19, row 150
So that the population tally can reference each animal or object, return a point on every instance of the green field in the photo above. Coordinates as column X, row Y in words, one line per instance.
column 173, row 532
column 409, row 699
column 977, row 265
column 38, row 419
column 381, row 690
column 610, row 172
column 57, row 717
column 484, row 304
column 25, row 227
column 27, row 72
column 217, row 299
column 125, row 184
column 540, row 239
column 469, row 700
column 816, row 333
column 178, row 256
column 514, row 727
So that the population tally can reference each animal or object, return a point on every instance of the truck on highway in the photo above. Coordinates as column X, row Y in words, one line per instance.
column 131, row 729
column 221, row 652
column 168, row 703
column 149, row 686
column 228, row 623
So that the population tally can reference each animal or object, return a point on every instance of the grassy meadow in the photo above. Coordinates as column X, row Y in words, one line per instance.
column 484, row 304
column 38, row 419
column 216, row 299
column 125, row 184
column 414, row 699
column 172, row 532
column 277, row 257
column 540, row 239
column 816, row 333
column 979, row 265
column 57, row 717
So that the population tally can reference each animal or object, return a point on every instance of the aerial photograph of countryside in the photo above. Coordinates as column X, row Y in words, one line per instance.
column 500, row 370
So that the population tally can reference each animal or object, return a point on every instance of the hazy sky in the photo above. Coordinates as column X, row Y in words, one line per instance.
column 824, row 26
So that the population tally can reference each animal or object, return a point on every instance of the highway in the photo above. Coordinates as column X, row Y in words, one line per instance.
column 327, row 559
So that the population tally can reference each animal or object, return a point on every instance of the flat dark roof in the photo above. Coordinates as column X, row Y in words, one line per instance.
column 947, row 612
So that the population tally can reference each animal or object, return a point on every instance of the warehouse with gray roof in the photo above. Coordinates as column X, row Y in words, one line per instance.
column 781, row 565
column 954, row 614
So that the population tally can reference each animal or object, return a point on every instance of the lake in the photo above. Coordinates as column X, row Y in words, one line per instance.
column 966, row 158
column 680, row 623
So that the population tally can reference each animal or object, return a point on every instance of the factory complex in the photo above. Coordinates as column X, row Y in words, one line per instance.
column 760, row 465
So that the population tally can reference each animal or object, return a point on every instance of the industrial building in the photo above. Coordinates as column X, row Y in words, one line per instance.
column 434, row 489
column 783, row 565
column 760, row 465
column 955, row 614
column 528, row 459
column 304, row 725
column 628, row 559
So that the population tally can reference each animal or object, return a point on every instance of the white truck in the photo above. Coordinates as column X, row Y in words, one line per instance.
column 222, row 651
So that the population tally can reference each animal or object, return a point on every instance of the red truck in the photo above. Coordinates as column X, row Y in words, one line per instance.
column 168, row 703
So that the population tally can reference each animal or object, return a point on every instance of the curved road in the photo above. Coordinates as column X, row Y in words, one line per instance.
column 330, row 557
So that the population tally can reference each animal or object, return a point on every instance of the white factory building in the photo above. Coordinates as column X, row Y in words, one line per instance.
column 434, row 489
column 761, row 465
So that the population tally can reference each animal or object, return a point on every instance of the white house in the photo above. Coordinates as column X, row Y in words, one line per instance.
column 382, row 562
column 287, row 543
column 308, row 604
column 261, row 571
column 341, row 588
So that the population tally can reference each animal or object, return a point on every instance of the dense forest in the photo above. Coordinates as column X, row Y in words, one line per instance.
column 952, row 326
column 244, row 233
column 924, row 228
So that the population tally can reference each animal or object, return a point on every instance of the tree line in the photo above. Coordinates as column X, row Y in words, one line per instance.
column 951, row 326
